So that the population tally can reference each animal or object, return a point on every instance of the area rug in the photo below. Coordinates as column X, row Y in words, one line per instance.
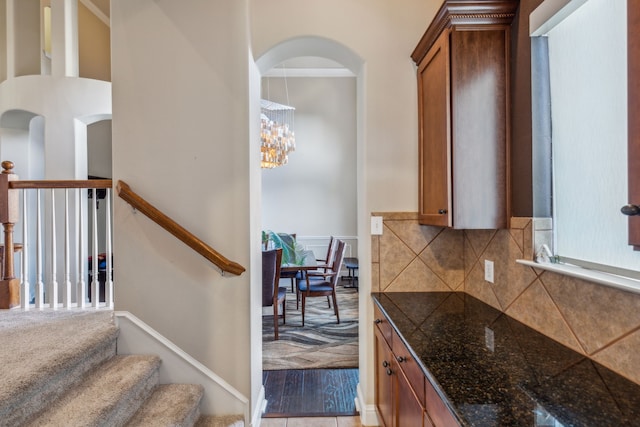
column 321, row 343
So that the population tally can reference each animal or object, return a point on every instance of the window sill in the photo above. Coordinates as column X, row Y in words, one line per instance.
column 619, row 282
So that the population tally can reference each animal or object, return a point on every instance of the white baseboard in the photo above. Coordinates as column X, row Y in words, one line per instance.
column 261, row 406
column 368, row 415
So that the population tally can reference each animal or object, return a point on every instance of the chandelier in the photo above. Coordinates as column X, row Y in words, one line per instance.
column 277, row 139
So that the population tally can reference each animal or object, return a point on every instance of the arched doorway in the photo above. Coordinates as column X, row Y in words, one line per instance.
column 337, row 59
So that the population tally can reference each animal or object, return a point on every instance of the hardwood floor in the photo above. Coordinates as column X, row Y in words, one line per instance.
column 310, row 392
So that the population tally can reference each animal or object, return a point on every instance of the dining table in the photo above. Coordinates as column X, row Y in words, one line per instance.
column 308, row 262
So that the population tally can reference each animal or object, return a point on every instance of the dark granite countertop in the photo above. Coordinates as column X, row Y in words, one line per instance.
column 527, row 379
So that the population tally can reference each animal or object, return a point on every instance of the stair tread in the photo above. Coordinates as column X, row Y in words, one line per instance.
column 43, row 350
column 60, row 368
column 111, row 394
column 170, row 405
column 34, row 337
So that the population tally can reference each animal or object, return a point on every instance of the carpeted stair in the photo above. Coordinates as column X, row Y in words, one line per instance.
column 61, row 369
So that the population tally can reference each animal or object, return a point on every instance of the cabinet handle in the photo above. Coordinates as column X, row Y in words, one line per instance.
column 442, row 211
column 401, row 359
column 378, row 321
column 389, row 372
column 385, row 363
column 630, row 210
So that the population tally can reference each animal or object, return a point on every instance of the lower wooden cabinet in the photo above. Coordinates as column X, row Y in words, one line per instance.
column 396, row 401
column 385, row 381
column 410, row 410
column 404, row 397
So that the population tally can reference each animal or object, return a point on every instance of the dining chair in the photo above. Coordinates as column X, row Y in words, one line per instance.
column 325, row 265
column 329, row 256
column 323, row 272
column 272, row 294
column 324, row 287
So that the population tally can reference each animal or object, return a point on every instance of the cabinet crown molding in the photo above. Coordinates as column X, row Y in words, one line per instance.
column 465, row 13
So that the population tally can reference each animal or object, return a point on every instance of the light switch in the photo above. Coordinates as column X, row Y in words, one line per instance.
column 376, row 225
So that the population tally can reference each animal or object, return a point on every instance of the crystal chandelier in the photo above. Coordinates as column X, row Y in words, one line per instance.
column 277, row 139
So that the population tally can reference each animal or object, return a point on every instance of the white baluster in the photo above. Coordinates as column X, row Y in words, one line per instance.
column 66, row 302
column 26, row 296
column 53, row 299
column 108, row 280
column 95, row 282
column 82, row 290
column 39, row 252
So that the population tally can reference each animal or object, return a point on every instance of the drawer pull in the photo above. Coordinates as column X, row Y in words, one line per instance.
column 442, row 211
column 389, row 371
column 401, row 359
column 378, row 321
column 385, row 363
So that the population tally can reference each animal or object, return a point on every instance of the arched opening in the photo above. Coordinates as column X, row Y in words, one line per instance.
column 310, row 64
column 22, row 142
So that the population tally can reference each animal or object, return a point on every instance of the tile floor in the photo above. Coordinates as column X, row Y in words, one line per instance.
column 312, row 422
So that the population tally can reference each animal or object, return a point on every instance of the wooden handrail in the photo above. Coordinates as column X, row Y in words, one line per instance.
column 125, row 193
column 88, row 183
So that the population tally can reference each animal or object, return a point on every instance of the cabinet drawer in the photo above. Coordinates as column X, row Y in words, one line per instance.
column 409, row 367
column 437, row 410
column 382, row 323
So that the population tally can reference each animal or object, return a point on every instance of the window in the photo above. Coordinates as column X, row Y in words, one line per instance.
column 584, row 44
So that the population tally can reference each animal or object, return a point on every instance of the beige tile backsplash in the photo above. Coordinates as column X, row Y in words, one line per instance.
column 600, row 322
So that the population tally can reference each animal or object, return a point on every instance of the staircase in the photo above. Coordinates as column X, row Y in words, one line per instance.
column 60, row 368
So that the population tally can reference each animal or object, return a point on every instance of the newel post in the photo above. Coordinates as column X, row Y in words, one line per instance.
column 9, row 211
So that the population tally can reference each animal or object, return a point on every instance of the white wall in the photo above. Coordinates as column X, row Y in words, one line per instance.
column 315, row 193
column 84, row 101
column 181, row 139
column 383, row 33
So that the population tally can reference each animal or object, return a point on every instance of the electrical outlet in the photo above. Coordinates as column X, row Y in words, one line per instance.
column 489, row 339
column 488, row 271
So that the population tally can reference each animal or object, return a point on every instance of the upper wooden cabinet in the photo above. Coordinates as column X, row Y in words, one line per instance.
column 463, row 107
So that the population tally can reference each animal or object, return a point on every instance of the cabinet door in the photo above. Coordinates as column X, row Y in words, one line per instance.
column 385, row 377
column 410, row 411
column 434, row 135
column 479, row 92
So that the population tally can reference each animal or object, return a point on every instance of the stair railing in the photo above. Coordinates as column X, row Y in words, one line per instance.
column 225, row 265
column 34, row 203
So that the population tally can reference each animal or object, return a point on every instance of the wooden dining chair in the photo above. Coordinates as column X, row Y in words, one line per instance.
column 329, row 256
column 324, row 287
column 272, row 294
column 325, row 265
